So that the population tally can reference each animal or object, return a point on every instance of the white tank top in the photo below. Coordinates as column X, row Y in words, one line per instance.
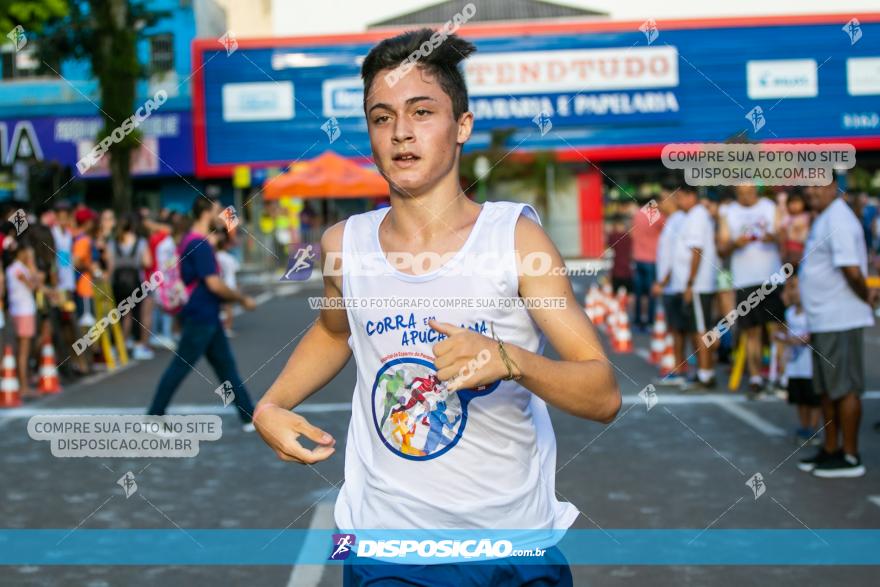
column 484, row 460
column 754, row 263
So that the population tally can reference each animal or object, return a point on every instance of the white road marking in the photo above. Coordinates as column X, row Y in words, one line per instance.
column 309, row 575
column 875, row 499
column 750, row 418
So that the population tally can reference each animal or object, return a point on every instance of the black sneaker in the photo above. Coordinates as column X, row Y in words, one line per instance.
column 807, row 465
column 841, row 465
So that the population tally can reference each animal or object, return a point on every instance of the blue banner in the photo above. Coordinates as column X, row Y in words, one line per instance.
column 270, row 101
column 318, row 547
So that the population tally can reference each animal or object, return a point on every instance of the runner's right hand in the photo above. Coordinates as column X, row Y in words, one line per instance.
column 281, row 430
column 248, row 303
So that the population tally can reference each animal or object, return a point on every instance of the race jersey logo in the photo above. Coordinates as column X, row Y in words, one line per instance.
column 415, row 415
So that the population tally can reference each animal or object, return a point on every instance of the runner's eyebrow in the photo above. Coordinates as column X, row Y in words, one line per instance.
column 408, row 102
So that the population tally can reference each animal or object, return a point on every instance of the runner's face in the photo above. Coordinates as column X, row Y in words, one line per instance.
column 414, row 117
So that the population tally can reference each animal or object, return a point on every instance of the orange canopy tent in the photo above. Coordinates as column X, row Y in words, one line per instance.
column 327, row 176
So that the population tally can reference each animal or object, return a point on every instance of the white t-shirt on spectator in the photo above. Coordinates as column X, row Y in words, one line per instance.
column 666, row 247
column 21, row 297
column 799, row 363
column 228, row 268
column 836, row 240
column 697, row 231
column 754, row 263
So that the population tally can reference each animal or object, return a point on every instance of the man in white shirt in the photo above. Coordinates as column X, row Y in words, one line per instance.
column 838, row 304
column 694, row 267
column 748, row 231
column 672, row 306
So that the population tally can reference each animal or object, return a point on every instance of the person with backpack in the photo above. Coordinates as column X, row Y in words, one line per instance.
column 163, row 245
column 127, row 257
column 202, row 333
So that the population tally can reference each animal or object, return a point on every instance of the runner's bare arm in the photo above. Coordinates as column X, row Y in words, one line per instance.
column 582, row 383
column 316, row 360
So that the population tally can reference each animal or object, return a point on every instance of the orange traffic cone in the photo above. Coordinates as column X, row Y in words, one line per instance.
column 667, row 363
column 612, row 319
column 624, row 335
column 622, row 298
column 599, row 309
column 49, row 383
column 658, row 339
column 9, row 390
column 590, row 303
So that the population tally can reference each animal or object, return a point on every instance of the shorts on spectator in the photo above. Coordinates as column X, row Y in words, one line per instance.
column 769, row 310
column 801, row 392
column 672, row 306
column 698, row 314
column 25, row 326
column 838, row 368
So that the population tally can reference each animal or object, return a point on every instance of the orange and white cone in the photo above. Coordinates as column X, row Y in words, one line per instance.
column 667, row 363
column 9, row 390
column 612, row 319
column 658, row 339
column 590, row 303
column 622, row 298
column 624, row 335
column 49, row 383
column 599, row 310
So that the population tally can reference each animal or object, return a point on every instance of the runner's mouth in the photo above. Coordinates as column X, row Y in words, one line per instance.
column 405, row 157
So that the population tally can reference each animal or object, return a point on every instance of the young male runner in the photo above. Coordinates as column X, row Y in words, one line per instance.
column 495, row 468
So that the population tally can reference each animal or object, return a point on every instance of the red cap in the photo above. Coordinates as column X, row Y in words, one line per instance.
column 83, row 215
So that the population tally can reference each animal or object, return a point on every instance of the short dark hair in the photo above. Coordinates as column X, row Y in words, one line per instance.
column 441, row 61
column 201, row 205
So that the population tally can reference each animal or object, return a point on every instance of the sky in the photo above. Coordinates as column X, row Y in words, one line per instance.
column 301, row 17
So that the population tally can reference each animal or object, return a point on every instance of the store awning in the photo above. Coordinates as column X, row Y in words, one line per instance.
column 327, row 176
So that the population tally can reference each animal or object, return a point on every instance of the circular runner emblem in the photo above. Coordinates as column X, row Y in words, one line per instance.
column 414, row 414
